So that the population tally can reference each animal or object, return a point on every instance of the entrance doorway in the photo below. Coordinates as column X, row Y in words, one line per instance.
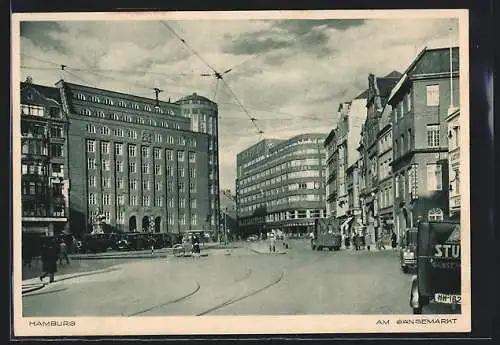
column 158, row 224
column 145, row 223
column 132, row 224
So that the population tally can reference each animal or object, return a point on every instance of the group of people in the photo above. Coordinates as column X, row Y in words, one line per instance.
column 51, row 253
column 360, row 241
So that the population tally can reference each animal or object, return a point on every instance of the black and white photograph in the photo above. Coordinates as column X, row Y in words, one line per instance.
column 240, row 172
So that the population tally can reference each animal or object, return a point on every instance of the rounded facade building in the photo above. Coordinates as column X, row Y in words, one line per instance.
column 281, row 184
column 203, row 114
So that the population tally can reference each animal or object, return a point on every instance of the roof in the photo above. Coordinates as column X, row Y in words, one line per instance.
column 194, row 96
column 46, row 91
column 363, row 95
column 429, row 61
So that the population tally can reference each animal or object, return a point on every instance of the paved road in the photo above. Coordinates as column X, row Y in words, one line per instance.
column 242, row 283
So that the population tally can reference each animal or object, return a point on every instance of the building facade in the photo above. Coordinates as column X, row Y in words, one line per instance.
column 385, row 181
column 420, row 103
column 44, row 161
column 453, row 120
column 378, row 92
column 143, row 164
column 331, row 153
column 281, row 184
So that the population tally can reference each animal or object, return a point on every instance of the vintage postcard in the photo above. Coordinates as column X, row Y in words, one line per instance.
column 271, row 172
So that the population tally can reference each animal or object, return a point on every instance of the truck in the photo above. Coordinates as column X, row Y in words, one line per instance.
column 326, row 234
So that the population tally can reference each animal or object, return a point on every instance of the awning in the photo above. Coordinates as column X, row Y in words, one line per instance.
column 345, row 224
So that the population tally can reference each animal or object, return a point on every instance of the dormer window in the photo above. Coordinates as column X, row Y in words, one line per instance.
column 136, row 106
column 147, row 108
column 81, row 96
column 100, row 114
column 122, row 104
column 108, row 101
column 94, row 99
column 86, row 112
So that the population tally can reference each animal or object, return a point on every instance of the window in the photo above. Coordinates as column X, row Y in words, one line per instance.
column 131, row 150
column 194, row 219
column 119, row 183
column 170, row 171
column 145, row 184
column 434, row 177
column 182, row 219
column 158, row 138
column 170, row 187
column 133, row 200
column 170, row 155
column 158, row 185
column 192, row 173
column 132, row 134
column 181, row 186
column 170, row 202
column 132, row 167
column 106, row 199
column 105, row 165
column 182, row 202
column 56, row 132
column 409, row 139
column 157, row 169
column 145, row 151
column 192, row 187
column 396, row 183
column 90, row 128
column 105, row 130
column 104, row 147
column 432, row 95
column 91, row 181
column 181, row 172
column 92, row 199
column 192, row 157
column 106, row 182
column 90, row 163
column 433, row 135
column 193, row 203
column 145, row 200
column 133, row 183
column 435, row 214
column 56, row 151
column 157, row 153
column 90, row 145
column 159, row 201
column 145, row 168
column 118, row 132
column 408, row 102
column 180, row 156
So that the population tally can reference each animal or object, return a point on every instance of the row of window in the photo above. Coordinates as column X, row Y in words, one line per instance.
column 295, row 214
column 36, row 147
column 278, row 168
column 145, row 151
column 37, row 110
column 120, row 217
column 146, row 184
column 404, row 106
column 123, row 104
column 279, row 179
column 283, row 201
column 281, row 189
column 146, row 200
column 145, row 168
column 36, row 130
column 274, row 157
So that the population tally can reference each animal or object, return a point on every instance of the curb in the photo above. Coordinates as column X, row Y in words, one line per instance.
column 104, row 257
column 33, row 289
column 77, row 275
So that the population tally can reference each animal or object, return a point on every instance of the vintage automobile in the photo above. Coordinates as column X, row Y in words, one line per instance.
column 438, row 279
column 407, row 257
column 326, row 234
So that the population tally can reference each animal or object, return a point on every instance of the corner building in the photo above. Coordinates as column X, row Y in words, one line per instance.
column 281, row 184
column 44, row 157
column 144, row 165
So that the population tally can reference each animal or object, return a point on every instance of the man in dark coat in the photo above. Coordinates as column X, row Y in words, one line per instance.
column 49, row 260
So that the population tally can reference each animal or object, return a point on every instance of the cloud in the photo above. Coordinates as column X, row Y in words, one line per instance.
column 291, row 75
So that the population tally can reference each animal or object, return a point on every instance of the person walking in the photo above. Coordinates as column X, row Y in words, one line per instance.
column 49, row 261
column 272, row 243
column 394, row 240
column 63, row 252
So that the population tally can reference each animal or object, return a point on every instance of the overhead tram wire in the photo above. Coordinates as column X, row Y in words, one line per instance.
column 219, row 76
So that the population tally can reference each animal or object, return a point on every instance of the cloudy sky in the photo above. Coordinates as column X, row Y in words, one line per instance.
column 290, row 75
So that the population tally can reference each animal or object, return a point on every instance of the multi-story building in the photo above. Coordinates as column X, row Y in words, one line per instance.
column 420, row 103
column 378, row 93
column 331, row 152
column 141, row 163
column 354, row 223
column 281, row 184
column 385, row 181
column 228, row 216
column 453, row 120
column 44, row 164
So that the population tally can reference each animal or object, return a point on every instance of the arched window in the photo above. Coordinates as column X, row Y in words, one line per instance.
column 435, row 214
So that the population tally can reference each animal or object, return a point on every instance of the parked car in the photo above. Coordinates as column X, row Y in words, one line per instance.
column 326, row 234
column 407, row 252
column 438, row 279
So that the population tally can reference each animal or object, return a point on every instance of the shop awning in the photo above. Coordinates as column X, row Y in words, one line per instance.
column 345, row 224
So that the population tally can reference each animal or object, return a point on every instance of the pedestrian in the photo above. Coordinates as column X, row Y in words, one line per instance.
column 63, row 252
column 356, row 239
column 368, row 241
column 272, row 244
column 347, row 241
column 49, row 261
column 394, row 240
column 196, row 246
